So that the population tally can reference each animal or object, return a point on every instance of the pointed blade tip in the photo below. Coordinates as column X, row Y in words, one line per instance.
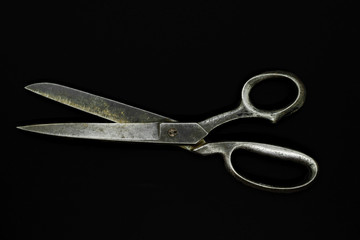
column 32, row 87
column 35, row 86
column 29, row 87
column 25, row 128
column 36, row 128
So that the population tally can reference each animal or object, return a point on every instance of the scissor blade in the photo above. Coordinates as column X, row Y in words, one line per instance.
column 99, row 106
column 132, row 132
column 168, row 133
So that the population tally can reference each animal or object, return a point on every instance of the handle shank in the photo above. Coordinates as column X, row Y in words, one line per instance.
column 247, row 110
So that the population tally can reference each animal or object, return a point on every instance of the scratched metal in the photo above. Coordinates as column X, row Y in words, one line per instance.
column 188, row 133
column 101, row 131
column 105, row 108
column 99, row 106
column 285, row 154
column 168, row 131
column 247, row 110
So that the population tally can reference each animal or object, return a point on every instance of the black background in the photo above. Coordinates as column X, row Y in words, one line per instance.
column 187, row 61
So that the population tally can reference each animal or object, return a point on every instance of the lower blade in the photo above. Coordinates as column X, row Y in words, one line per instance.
column 130, row 132
column 169, row 133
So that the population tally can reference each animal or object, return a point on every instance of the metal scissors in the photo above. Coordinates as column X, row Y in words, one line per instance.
column 132, row 124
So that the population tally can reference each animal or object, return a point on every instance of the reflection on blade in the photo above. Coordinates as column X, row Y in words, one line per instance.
column 133, row 132
column 99, row 106
column 120, row 113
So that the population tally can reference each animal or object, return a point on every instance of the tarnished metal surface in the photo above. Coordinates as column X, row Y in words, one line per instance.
column 99, row 106
column 105, row 108
column 137, row 125
column 188, row 133
column 226, row 149
column 248, row 110
column 135, row 132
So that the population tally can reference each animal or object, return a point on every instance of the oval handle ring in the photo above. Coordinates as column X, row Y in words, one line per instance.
column 226, row 149
column 273, row 115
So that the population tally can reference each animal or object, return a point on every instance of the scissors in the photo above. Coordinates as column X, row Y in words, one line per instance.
column 131, row 124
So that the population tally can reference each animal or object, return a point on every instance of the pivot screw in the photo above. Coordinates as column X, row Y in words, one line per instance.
column 172, row 132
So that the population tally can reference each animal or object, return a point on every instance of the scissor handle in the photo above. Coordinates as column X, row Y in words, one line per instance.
column 247, row 110
column 273, row 115
column 227, row 148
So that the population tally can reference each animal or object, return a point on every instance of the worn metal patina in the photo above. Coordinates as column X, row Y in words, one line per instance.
column 137, row 125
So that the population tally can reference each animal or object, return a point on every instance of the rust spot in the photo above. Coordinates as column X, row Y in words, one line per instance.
column 172, row 132
column 192, row 147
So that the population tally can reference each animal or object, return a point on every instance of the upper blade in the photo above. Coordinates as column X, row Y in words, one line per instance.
column 99, row 106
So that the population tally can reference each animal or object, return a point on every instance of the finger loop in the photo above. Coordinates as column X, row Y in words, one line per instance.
column 273, row 116
column 277, row 152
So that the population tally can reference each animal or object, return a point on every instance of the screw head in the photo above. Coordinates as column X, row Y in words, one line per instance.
column 172, row 132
